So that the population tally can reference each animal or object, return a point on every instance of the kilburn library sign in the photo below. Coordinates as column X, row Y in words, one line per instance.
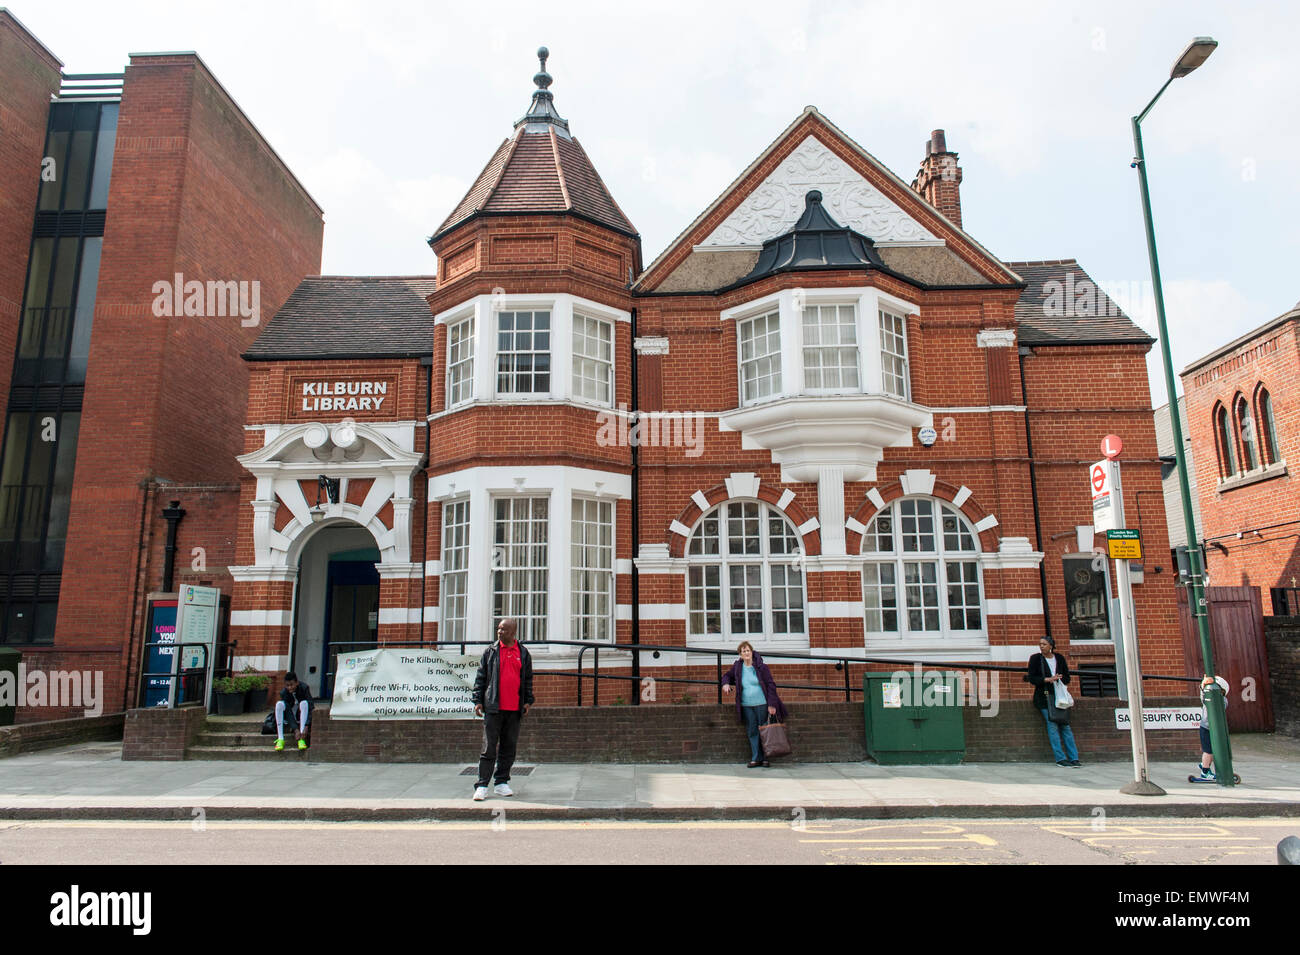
column 310, row 397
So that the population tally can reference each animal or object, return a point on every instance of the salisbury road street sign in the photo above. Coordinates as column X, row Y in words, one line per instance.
column 1124, row 544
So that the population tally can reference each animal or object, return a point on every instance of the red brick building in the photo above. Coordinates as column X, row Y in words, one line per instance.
column 1243, row 421
column 825, row 419
column 147, row 232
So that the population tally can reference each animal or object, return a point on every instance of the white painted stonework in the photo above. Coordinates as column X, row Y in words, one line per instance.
column 777, row 203
column 382, row 453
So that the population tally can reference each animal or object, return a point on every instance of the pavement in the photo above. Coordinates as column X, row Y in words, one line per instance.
column 90, row 781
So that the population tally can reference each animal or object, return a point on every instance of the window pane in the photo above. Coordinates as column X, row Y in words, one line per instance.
column 830, row 351
column 523, row 353
column 520, row 562
column 592, row 562
column 920, row 582
column 916, row 522
column 1087, row 599
column 963, row 596
column 1246, row 426
column 893, row 354
column 104, row 156
column 593, row 368
column 454, row 598
column 760, row 356
column 460, row 362
column 1269, row 427
column 880, row 598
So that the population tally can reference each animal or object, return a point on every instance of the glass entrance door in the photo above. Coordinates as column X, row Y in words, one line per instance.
column 351, row 611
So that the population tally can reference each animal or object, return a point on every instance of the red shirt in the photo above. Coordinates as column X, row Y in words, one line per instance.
column 511, row 664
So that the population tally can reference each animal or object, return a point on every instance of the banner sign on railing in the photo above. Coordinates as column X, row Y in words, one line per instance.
column 404, row 684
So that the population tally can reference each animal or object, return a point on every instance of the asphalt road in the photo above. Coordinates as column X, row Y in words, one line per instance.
column 1084, row 841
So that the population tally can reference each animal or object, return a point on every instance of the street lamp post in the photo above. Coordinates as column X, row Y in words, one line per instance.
column 1196, row 53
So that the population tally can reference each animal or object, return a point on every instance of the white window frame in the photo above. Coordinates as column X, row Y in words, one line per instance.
column 467, row 359
column 485, row 310
column 455, row 568
column 778, row 376
column 560, row 484
column 577, row 567
column 898, row 557
column 502, row 562
column 765, row 560
column 578, row 380
column 868, row 303
column 548, row 351
column 901, row 318
column 856, row 347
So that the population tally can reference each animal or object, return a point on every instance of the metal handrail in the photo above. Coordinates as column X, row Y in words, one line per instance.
column 842, row 662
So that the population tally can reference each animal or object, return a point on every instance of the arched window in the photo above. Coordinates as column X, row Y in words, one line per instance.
column 1249, row 439
column 743, row 578
column 1223, row 434
column 922, row 575
column 1266, row 427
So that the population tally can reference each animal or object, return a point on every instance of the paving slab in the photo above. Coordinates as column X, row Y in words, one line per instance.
column 91, row 781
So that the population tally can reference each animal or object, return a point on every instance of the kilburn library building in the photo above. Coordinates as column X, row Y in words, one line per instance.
column 825, row 419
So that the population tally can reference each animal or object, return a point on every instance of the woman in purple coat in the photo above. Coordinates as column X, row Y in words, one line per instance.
column 757, row 698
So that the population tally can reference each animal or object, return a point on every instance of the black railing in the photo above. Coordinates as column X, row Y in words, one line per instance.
column 841, row 663
column 1286, row 601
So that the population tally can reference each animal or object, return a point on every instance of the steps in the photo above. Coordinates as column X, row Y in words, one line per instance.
column 240, row 738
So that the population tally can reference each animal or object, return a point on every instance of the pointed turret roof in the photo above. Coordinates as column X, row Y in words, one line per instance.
column 541, row 168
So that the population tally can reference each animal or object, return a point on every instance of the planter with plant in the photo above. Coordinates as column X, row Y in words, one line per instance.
column 230, row 691
column 259, row 686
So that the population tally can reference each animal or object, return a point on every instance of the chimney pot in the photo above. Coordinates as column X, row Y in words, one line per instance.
column 938, row 141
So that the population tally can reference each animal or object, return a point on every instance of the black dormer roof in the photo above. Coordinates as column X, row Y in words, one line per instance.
column 815, row 243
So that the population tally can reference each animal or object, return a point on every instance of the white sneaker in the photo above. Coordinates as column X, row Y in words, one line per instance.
column 480, row 793
column 503, row 789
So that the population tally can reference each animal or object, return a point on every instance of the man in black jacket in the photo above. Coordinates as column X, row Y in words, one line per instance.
column 504, row 689
column 295, row 703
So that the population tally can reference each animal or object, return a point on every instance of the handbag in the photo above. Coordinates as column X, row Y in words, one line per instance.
column 776, row 741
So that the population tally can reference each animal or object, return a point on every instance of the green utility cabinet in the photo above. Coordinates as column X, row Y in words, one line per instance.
column 10, row 691
column 914, row 719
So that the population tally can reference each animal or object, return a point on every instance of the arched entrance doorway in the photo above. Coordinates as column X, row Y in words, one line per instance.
column 336, row 608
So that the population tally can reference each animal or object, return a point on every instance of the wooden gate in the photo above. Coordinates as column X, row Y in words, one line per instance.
column 1240, row 656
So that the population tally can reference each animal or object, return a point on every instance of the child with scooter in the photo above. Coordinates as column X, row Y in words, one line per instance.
column 1207, row 774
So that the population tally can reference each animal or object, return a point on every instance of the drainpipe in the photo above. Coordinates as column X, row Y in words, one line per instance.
column 1023, row 352
column 424, row 511
column 636, row 532
column 172, row 514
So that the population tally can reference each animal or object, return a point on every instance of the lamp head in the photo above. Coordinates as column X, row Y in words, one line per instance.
column 1197, row 52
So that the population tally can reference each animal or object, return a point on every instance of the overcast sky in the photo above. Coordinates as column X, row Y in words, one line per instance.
column 387, row 111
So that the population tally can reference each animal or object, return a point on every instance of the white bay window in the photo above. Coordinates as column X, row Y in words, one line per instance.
column 521, row 348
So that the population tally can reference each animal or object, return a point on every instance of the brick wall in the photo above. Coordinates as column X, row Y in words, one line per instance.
column 196, row 191
column 709, row 733
column 160, row 732
column 1282, row 638
column 1271, row 557
column 29, row 737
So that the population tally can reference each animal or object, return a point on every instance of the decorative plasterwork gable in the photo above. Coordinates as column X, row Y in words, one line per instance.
column 775, row 205
column 298, row 455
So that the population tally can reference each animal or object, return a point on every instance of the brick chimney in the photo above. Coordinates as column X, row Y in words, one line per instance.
column 939, row 178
